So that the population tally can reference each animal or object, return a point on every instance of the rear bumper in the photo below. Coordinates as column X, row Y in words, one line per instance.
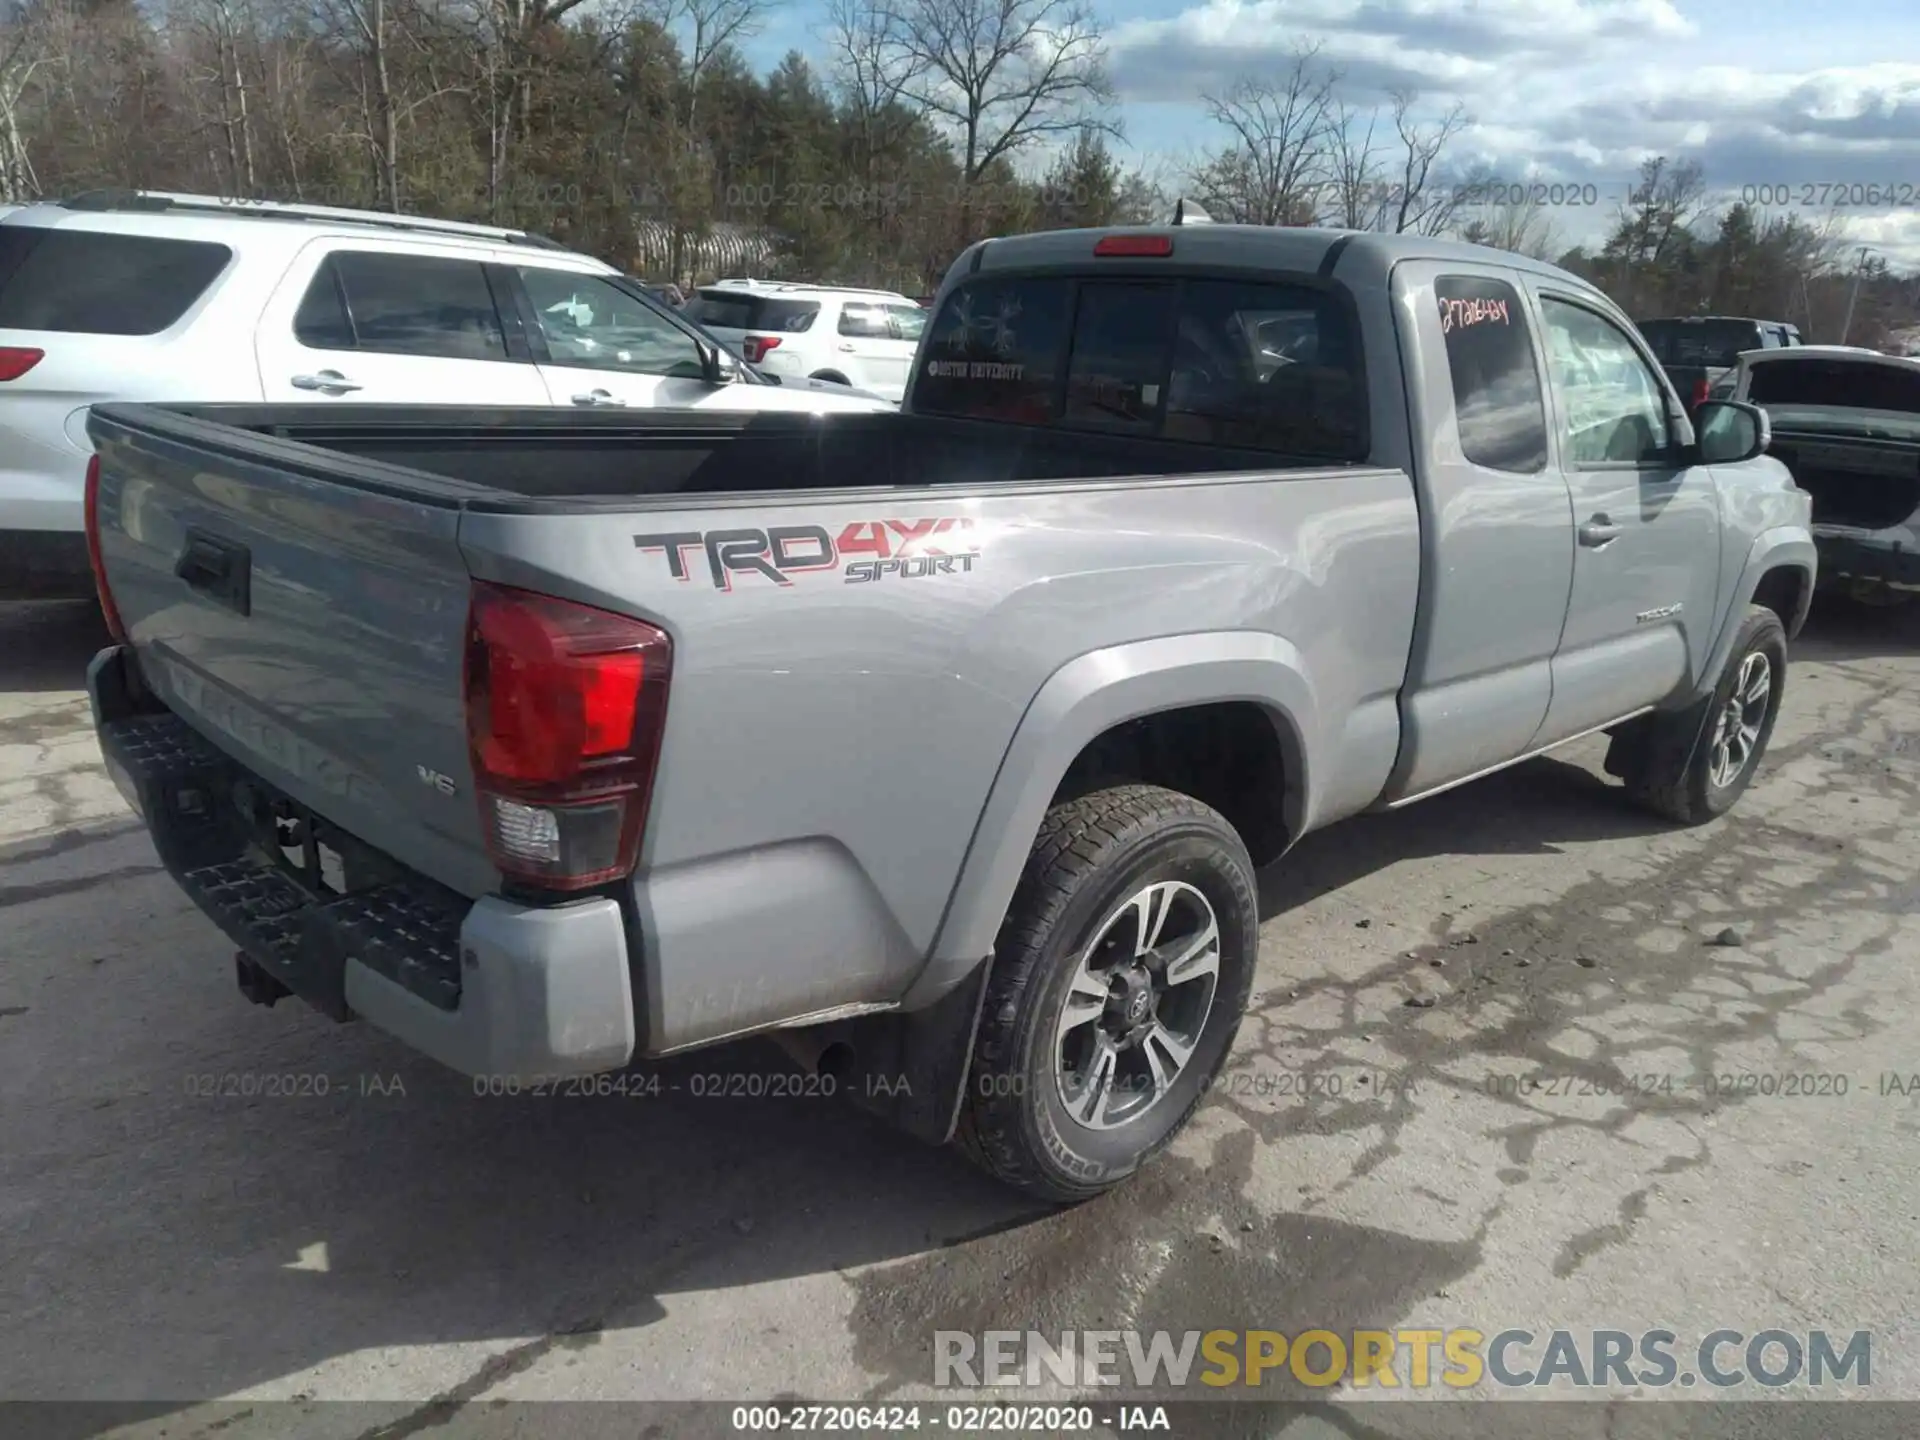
column 1886, row 557
column 489, row 987
column 45, row 565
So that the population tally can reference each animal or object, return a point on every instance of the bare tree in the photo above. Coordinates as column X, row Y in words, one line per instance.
column 1424, row 203
column 874, row 72
column 1353, row 186
column 26, row 49
column 1004, row 74
column 1275, row 163
column 711, row 25
column 1516, row 221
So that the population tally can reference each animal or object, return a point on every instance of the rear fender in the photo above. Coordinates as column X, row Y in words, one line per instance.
column 1082, row 700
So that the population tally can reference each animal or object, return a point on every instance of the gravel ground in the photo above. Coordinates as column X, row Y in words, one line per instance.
column 1473, row 1091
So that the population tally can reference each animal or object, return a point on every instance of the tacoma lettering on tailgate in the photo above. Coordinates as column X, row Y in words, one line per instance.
column 864, row 551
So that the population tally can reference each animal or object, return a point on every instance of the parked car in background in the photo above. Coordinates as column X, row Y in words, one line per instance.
column 1846, row 422
column 862, row 338
column 158, row 296
column 1698, row 351
column 601, row 715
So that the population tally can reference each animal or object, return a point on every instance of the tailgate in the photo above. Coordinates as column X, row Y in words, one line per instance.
column 310, row 622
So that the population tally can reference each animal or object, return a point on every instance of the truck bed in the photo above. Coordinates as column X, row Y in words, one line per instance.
column 519, row 459
column 864, row 615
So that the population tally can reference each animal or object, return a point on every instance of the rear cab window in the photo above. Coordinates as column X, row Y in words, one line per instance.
column 1715, row 344
column 96, row 282
column 1257, row 364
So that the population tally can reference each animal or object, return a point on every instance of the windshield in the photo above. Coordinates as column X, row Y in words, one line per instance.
column 1806, row 383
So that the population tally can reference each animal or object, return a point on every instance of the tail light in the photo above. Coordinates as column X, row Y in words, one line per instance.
column 757, row 346
column 1700, row 392
column 107, row 609
column 565, row 708
column 16, row 360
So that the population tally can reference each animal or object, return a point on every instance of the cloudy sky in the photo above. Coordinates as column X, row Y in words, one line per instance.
column 1822, row 103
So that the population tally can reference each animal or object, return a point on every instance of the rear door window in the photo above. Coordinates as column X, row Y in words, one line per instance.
column 1497, row 399
column 98, row 283
column 416, row 305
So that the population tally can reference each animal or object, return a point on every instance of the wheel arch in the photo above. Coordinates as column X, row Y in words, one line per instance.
column 1780, row 570
column 1248, row 684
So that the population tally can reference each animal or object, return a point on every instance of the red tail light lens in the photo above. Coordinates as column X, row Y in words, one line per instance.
column 1153, row 245
column 757, row 346
column 1700, row 392
column 565, row 709
column 16, row 360
column 107, row 609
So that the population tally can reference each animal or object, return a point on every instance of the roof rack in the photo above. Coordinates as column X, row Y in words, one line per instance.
column 157, row 201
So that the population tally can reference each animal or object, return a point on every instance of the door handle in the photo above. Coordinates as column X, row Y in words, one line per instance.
column 847, row 348
column 1599, row 532
column 327, row 382
column 597, row 397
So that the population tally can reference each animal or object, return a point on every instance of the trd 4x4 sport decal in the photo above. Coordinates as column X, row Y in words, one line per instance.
column 865, row 551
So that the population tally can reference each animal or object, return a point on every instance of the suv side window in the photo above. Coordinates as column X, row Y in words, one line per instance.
column 1497, row 399
column 420, row 305
column 322, row 322
column 94, row 283
column 864, row 322
column 591, row 324
column 1614, row 411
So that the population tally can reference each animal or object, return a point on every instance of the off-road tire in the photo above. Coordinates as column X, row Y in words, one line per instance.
column 1672, row 774
column 1092, row 853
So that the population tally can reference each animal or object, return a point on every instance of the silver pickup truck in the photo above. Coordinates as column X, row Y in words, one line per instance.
column 944, row 743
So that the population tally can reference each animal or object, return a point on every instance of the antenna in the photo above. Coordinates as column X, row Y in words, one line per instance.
column 1185, row 212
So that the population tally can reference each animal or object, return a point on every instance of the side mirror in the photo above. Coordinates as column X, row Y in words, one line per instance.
column 721, row 368
column 1729, row 433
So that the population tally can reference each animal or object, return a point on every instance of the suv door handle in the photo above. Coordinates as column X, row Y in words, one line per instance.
column 1599, row 532
column 846, row 347
column 327, row 382
column 597, row 397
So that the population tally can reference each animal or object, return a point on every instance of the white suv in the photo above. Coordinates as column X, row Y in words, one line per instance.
column 161, row 297
column 862, row 338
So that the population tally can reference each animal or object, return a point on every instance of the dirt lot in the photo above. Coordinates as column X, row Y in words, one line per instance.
column 385, row 1235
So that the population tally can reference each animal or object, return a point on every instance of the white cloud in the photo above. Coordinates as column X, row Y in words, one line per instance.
column 1584, row 90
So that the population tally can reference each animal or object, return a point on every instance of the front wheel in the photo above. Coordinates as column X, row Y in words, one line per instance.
column 1119, row 981
column 1733, row 734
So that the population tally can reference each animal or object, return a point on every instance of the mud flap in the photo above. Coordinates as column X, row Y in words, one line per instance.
column 910, row 1067
column 1658, row 747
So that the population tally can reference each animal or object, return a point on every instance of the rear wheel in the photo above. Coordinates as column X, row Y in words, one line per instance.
column 833, row 375
column 1697, row 785
column 1118, row 983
